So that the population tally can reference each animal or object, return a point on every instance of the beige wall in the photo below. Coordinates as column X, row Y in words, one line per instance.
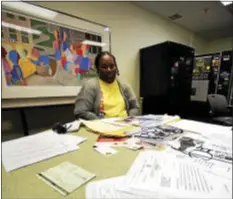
column 132, row 29
column 220, row 45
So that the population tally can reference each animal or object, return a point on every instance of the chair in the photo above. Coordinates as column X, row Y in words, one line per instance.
column 219, row 109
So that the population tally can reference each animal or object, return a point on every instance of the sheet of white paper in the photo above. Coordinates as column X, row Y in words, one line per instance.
column 215, row 167
column 31, row 149
column 105, row 150
column 218, row 146
column 212, row 131
column 172, row 177
column 73, row 126
column 198, row 146
column 107, row 189
column 103, row 189
column 72, row 139
column 133, row 144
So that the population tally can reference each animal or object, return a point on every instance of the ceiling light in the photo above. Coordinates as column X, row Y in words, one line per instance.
column 226, row 3
column 93, row 43
column 21, row 28
column 30, row 9
column 106, row 29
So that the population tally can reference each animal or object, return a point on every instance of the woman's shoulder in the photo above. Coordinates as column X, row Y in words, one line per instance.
column 91, row 83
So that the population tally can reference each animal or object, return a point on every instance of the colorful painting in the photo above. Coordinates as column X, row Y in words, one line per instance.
column 38, row 53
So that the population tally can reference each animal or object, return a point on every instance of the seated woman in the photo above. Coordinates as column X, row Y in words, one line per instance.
column 105, row 96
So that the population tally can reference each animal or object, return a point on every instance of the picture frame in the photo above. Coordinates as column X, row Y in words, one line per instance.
column 46, row 53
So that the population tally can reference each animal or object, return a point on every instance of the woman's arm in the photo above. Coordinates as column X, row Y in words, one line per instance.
column 84, row 103
column 134, row 108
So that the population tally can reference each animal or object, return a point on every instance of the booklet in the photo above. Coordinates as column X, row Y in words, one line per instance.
column 66, row 177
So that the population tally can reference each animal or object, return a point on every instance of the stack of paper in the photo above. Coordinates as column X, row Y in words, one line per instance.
column 106, row 129
column 170, row 176
column 66, row 177
column 162, row 175
column 198, row 146
column 31, row 149
column 212, row 131
column 109, row 189
column 145, row 120
column 117, row 127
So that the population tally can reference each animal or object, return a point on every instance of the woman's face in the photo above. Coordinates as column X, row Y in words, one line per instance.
column 107, row 69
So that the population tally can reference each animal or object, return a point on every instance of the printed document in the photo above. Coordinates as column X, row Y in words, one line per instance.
column 198, row 146
column 159, row 172
column 108, row 189
column 212, row 131
column 34, row 148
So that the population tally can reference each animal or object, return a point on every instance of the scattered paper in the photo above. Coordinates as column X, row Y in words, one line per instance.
column 34, row 148
column 100, row 126
column 212, row 131
column 104, row 128
column 73, row 126
column 66, row 177
column 108, row 189
column 72, row 139
column 197, row 146
column 215, row 167
column 105, row 150
column 133, row 144
column 218, row 168
column 218, row 146
column 169, row 176
column 145, row 120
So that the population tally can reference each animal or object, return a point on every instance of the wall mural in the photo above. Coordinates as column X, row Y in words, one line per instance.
column 37, row 53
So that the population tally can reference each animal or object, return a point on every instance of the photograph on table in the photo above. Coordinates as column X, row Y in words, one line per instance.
column 47, row 52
